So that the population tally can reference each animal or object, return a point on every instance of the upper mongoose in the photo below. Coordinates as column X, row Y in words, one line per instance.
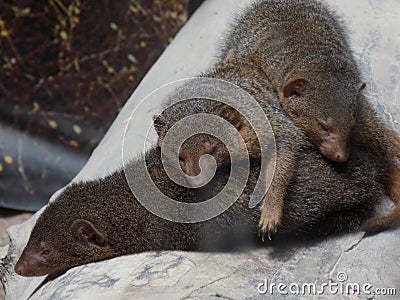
column 290, row 140
column 92, row 221
column 303, row 48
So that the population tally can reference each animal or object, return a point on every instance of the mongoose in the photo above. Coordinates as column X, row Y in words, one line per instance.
column 303, row 48
column 289, row 138
column 304, row 51
column 92, row 221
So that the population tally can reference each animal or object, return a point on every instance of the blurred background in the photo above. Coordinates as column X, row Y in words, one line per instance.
column 66, row 69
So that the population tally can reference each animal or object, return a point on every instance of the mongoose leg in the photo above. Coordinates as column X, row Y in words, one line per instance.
column 272, row 204
column 271, row 212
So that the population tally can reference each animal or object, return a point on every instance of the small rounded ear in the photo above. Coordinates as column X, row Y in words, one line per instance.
column 159, row 123
column 361, row 86
column 292, row 87
column 86, row 233
column 231, row 115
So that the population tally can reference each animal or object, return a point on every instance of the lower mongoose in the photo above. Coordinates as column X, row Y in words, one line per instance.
column 290, row 141
column 93, row 221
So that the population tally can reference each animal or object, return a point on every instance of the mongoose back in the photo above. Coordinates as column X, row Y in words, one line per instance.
column 93, row 221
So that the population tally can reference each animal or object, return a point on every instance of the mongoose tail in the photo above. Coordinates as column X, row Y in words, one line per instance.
column 376, row 225
column 379, row 224
column 384, row 143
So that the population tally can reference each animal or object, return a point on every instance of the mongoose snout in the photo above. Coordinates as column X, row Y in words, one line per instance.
column 34, row 262
column 333, row 144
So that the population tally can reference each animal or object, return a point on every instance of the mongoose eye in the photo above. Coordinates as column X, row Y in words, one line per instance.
column 181, row 161
column 46, row 252
column 324, row 127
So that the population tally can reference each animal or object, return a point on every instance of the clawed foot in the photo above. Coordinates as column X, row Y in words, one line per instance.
column 269, row 221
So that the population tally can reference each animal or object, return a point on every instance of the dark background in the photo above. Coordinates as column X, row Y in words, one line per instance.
column 66, row 69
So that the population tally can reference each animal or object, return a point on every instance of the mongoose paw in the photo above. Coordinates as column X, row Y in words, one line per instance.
column 269, row 222
column 262, row 233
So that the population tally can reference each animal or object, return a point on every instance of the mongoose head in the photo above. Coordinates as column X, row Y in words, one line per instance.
column 67, row 235
column 195, row 151
column 195, row 154
column 45, row 254
column 326, row 109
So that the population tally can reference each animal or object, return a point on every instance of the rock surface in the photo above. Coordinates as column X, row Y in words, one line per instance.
column 347, row 259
